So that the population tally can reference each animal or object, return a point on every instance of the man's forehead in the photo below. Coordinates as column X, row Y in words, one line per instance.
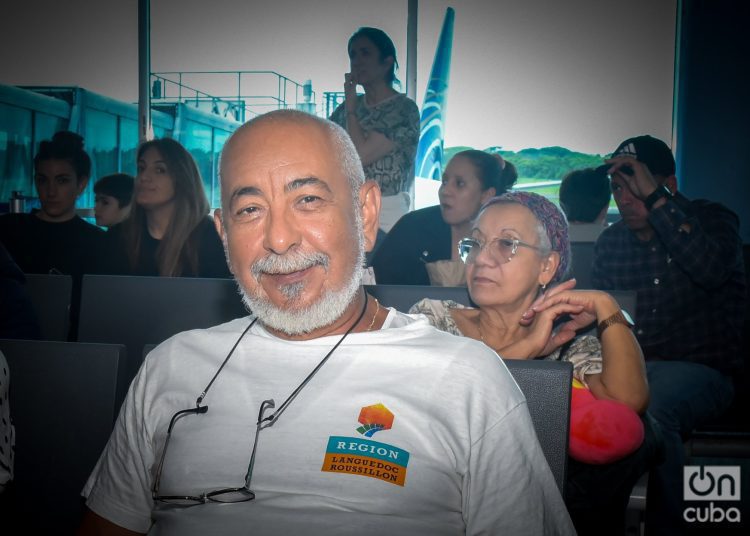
column 282, row 151
column 273, row 130
column 278, row 142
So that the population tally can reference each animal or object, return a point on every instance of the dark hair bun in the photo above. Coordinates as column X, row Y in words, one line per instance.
column 69, row 140
column 65, row 145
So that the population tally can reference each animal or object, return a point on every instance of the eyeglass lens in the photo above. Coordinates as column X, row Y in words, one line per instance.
column 502, row 249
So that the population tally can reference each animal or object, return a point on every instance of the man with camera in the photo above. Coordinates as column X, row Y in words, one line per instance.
column 684, row 259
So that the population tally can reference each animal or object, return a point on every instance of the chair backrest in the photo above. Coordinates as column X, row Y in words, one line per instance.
column 402, row 297
column 62, row 403
column 581, row 261
column 136, row 311
column 50, row 295
column 547, row 387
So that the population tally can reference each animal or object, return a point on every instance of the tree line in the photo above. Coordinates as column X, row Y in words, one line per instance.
column 546, row 163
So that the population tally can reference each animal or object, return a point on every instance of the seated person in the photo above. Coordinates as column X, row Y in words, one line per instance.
column 584, row 198
column 113, row 194
column 18, row 319
column 683, row 257
column 7, row 431
column 351, row 436
column 54, row 239
column 517, row 247
column 169, row 232
column 422, row 248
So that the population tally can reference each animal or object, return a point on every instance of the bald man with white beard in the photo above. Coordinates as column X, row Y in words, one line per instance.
column 322, row 412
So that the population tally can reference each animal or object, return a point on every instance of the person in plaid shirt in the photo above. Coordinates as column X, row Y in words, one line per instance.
column 684, row 259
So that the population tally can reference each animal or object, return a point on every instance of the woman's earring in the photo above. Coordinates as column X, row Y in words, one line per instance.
column 544, row 287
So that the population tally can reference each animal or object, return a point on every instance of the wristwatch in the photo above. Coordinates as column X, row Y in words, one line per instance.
column 653, row 197
column 620, row 317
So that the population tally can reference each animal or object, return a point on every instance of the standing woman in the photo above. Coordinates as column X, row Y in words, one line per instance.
column 422, row 248
column 169, row 232
column 383, row 123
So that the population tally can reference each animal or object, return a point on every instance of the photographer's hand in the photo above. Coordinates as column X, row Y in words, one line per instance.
column 634, row 174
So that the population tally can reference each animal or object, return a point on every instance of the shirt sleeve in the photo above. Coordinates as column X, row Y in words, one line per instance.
column 119, row 488
column 703, row 239
column 510, row 488
column 438, row 313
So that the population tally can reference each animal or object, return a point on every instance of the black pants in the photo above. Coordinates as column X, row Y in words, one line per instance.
column 597, row 495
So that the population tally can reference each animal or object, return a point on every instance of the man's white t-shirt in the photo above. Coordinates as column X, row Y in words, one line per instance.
column 404, row 430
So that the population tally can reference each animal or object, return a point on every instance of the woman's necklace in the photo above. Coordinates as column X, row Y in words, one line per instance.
column 479, row 328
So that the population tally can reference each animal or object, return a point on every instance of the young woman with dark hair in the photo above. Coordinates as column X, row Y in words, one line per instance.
column 168, row 232
column 54, row 239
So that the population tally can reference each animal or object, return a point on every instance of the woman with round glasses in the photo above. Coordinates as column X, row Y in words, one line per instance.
column 518, row 247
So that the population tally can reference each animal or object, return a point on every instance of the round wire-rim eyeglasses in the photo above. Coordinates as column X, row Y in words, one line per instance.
column 221, row 495
column 503, row 249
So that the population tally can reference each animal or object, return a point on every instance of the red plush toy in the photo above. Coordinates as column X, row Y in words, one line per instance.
column 601, row 431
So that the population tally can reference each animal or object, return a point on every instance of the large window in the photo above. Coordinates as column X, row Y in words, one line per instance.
column 101, row 144
column 581, row 75
column 128, row 145
column 220, row 138
column 198, row 140
column 15, row 154
column 45, row 126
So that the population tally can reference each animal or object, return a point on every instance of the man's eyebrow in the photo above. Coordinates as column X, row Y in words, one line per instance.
column 307, row 181
column 244, row 191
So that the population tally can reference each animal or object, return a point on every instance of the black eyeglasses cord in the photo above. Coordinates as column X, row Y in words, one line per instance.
column 276, row 414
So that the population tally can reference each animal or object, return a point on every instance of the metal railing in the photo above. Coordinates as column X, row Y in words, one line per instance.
column 239, row 94
column 331, row 99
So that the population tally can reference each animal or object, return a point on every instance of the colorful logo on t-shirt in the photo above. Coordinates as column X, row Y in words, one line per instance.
column 374, row 419
column 357, row 456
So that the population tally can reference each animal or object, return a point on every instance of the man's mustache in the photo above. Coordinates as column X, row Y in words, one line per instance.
column 296, row 261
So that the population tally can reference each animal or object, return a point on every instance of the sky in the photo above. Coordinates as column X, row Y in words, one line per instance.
column 582, row 74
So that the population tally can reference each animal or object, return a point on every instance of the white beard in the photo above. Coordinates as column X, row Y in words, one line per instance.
column 323, row 312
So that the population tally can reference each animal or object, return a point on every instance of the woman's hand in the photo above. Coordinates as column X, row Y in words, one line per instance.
column 595, row 305
column 582, row 306
column 528, row 316
column 540, row 339
column 623, row 376
column 350, row 93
